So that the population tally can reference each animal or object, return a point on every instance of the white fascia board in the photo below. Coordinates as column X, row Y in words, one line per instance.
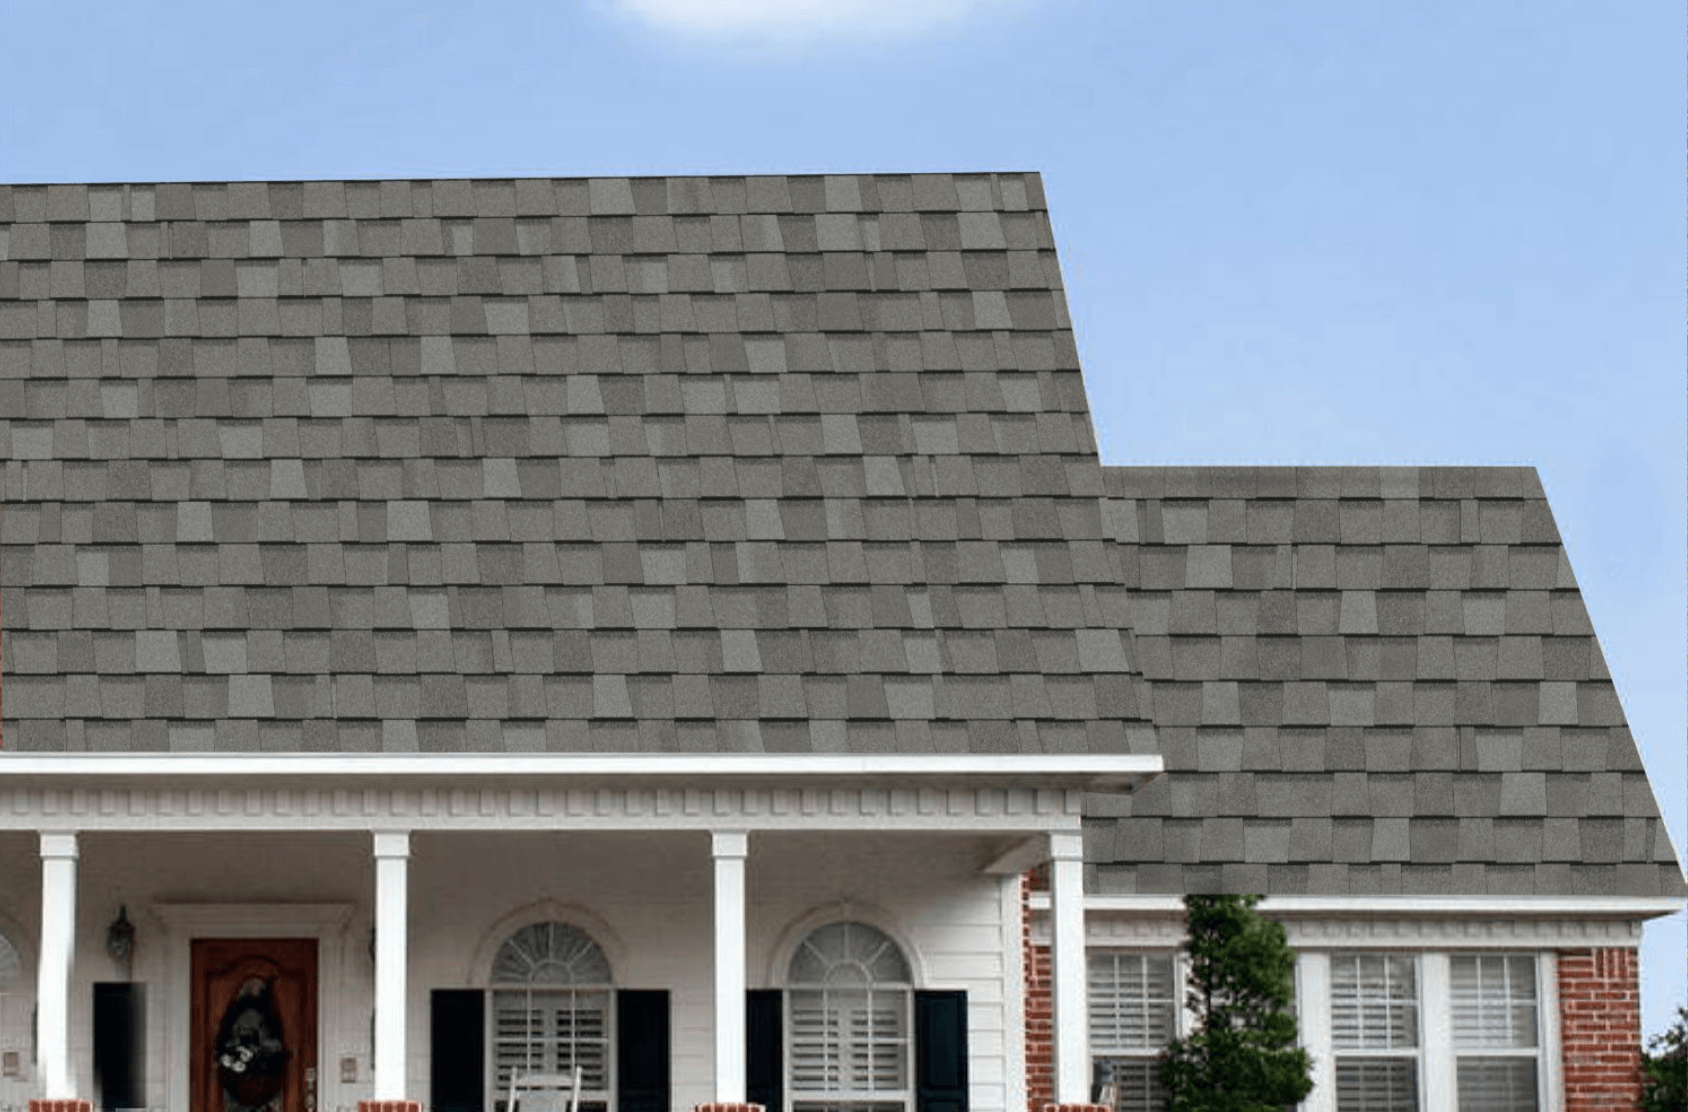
column 1379, row 907
column 1071, row 772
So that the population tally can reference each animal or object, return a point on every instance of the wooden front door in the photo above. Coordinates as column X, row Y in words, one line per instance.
column 253, row 1025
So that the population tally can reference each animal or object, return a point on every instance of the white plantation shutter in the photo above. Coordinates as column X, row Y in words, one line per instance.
column 1374, row 1023
column 1497, row 1085
column 1132, row 1002
column 1494, row 998
column 1384, row 1084
column 1496, row 1013
column 815, row 1044
column 552, row 1031
column 848, row 1020
column 1374, row 1002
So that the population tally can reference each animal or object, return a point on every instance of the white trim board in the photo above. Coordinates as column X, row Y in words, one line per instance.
column 1376, row 932
column 159, row 806
column 1315, row 923
column 1597, row 907
column 1085, row 772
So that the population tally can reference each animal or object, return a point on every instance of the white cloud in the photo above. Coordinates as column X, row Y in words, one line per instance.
column 787, row 20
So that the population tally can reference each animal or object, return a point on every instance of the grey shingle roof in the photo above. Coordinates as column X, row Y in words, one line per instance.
column 627, row 464
column 1370, row 681
column 773, row 463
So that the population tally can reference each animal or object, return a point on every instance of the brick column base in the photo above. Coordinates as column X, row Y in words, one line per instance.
column 728, row 1108
column 66, row 1104
column 388, row 1106
column 1077, row 1108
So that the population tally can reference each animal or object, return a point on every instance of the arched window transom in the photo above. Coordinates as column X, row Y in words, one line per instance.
column 550, row 954
column 850, row 994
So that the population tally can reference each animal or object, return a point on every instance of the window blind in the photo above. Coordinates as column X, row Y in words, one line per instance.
column 1496, row 1012
column 1374, row 1014
column 1133, row 1002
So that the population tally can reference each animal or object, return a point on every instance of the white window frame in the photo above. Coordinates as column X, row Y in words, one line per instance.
column 1438, row 1057
column 1413, row 1053
column 850, row 1100
column 497, row 1091
column 1183, row 1020
column 1533, row 1053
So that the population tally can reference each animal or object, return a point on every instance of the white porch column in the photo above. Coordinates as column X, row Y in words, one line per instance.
column 392, row 929
column 58, row 951
column 729, row 848
column 1067, row 967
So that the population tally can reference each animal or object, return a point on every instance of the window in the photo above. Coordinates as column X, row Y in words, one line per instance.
column 1133, row 1017
column 1375, row 1032
column 1426, row 1031
column 1495, row 1025
column 15, row 1025
column 551, row 993
column 847, row 1034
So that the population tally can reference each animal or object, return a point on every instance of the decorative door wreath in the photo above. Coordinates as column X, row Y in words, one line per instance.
column 251, row 1054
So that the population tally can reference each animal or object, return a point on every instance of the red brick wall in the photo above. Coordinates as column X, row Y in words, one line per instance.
column 1040, row 1016
column 1600, row 1029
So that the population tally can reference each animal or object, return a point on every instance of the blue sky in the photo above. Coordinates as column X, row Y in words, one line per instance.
column 1317, row 231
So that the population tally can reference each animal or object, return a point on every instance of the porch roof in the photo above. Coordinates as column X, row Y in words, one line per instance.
column 1009, row 794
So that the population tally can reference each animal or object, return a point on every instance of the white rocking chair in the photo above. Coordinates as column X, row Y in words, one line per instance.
column 552, row 1092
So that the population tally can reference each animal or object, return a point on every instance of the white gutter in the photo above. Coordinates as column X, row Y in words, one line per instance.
column 1601, row 907
column 1088, row 772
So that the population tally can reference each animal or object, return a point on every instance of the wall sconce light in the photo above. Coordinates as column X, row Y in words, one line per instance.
column 120, row 941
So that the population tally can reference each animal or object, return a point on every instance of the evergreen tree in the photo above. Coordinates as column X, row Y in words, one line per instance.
column 1242, row 1055
column 1666, row 1069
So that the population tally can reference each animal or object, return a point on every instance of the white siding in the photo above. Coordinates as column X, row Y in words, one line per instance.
column 645, row 897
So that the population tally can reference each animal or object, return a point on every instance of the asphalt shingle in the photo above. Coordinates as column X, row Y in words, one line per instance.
column 1428, row 629
column 784, row 463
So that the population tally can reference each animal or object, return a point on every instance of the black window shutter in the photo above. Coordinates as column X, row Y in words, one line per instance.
column 641, row 1051
column 457, row 1050
column 120, row 1045
column 940, row 1052
column 764, row 1049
